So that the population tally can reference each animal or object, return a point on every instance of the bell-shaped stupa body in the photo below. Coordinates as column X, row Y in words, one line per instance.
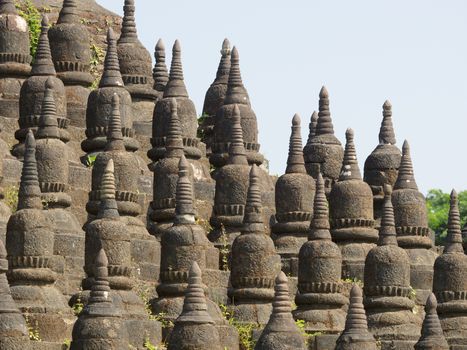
column 186, row 111
column 159, row 72
column 382, row 165
column 100, row 325
column 111, row 233
column 356, row 335
column 53, row 174
column 99, row 106
column 236, row 97
column 215, row 97
column 182, row 245
column 351, row 209
column 136, row 69
column 413, row 233
column 294, row 194
column 33, row 90
column 387, row 288
column 320, row 302
column 71, row 54
column 127, row 174
column 13, row 329
column 432, row 334
column 15, row 58
column 232, row 189
column 30, row 246
column 254, row 262
column 281, row 332
column 450, row 282
column 323, row 151
column 194, row 329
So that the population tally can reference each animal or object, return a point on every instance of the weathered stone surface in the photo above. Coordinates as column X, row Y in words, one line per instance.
column 100, row 325
column 432, row 333
column 351, row 209
column 413, row 233
column 254, row 262
column 387, row 288
column 356, row 335
column 236, row 97
column 295, row 191
column 281, row 332
column 159, row 72
column 382, row 165
column 215, row 97
column 323, row 151
column 14, row 58
column 30, row 246
column 320, row 302
column 450, row 282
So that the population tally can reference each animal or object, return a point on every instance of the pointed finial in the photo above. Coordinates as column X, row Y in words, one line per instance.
column 454, row 238
column 405, row 178
column 295, row 161
column 174, row 140
column 108, row 205
column 386, row 132
column 324, row 125
column 236, row 92
column 176, row 85
column 129, row 34
column 8, row 7
column 224, row 64
column 48, row 124
column 356, row 321
column 254, row 206
column 160, row 73
column 350, row 169
column 312, row 126
column 68, row 13
column 184, row 212
column 43, row 64
column 114, row 129
column 29, row 196
column 281, row 304
column 432, row 334
column 100, row 290
column 111, row 75
column 235, row 78
column 237, row 153
column 387, row 230
column 194, row 305
column 320, row 223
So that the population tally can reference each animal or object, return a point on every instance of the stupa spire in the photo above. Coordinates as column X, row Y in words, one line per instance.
column 350, row 169
column 320, row 223
column 237, row 153
column 174, row 140
column 312, row 126
column 224, row 64
column 68, row 13
column 48, row 124
column 108, row 205
column 184, row 211
column 387, row 231
column 43, row 64
column 159, row 72
column 29, row 196
column 254, row 206
column 129, row 33
column 111, row 75
column 100, row 289
column 295, row 161
column 176, row 85
column 405, row 178
column 386, row 132
column 454, row 238
column 324, row 125
column 432, row 334
column 114, row 131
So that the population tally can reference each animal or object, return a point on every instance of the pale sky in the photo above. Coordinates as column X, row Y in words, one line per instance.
column 413, row 53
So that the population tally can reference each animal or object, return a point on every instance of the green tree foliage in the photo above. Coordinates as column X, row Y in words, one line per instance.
column 438, row 210
column 33, row 17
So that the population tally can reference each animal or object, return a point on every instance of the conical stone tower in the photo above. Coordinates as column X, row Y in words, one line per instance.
column 432, row 333
column 136, row 68
column 215, row 97
column 294, row 192
column 413, row 233
column 281, row 332
column 69, row 45
column 33, row 90
column 382, row 165
column 159, row 72
column 254, row 262
column 351, row 209
column 323, row 152
column 387, row 288
column 356, row 335
column 450, row 283
column 236, row 95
